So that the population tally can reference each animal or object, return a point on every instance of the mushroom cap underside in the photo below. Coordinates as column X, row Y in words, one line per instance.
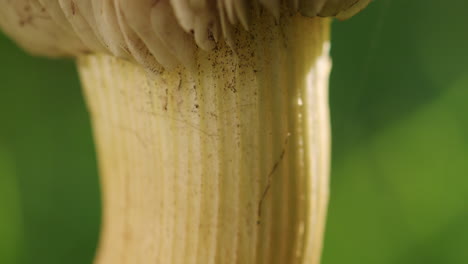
column 150, row 32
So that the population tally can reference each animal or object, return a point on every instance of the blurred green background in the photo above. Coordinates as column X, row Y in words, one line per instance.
column 399, row 104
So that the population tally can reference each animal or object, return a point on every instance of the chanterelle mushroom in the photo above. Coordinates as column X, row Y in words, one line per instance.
column 210, row 120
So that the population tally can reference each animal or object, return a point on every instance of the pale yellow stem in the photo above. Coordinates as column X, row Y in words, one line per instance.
column 225, row 163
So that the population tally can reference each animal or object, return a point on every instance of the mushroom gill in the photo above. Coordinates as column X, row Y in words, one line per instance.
column 153, row 33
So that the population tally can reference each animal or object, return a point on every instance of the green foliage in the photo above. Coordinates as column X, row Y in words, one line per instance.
column 10, row 215
column 398, row 102
column 45, row 130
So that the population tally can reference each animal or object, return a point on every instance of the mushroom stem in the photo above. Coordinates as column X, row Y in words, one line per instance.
column 223, row 163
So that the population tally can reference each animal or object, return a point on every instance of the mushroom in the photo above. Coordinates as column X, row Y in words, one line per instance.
column 210, row 120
